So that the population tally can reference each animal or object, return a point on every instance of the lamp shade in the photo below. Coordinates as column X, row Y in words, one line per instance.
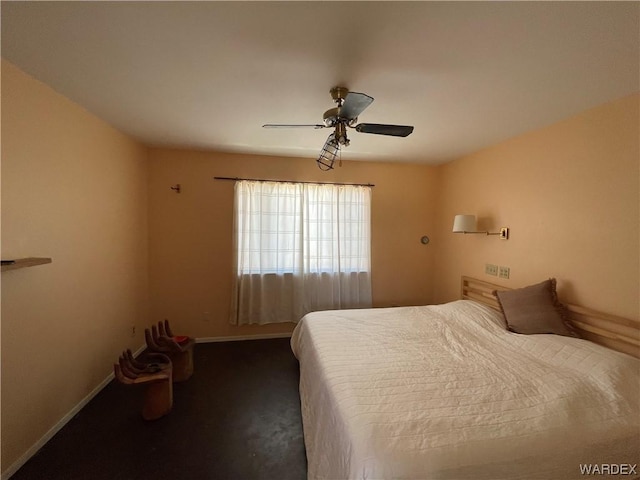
column 464, row 223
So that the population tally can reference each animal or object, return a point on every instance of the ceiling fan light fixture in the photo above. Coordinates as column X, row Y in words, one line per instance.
column 328, row 154
column 345, row 115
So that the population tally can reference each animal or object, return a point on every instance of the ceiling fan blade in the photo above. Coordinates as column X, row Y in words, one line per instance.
column 381, row 129
column 281, row 125
column 354, row 105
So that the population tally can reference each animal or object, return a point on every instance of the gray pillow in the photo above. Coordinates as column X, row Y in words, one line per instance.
column 535, row 309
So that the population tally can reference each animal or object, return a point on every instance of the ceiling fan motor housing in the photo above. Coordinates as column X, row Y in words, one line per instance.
column 332, row 117
column 341, row 134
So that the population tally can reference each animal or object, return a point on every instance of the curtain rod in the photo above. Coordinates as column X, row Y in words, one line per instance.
column 294, row 181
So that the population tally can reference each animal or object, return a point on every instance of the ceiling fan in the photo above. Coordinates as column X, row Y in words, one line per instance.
column 345, row 115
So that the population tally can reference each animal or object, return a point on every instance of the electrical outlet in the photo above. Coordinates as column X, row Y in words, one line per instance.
column 133, row 330
column 206, row 316
column 503, row 272
column 490, row 269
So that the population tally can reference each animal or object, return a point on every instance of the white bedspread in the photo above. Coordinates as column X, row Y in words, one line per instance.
column 447, row 392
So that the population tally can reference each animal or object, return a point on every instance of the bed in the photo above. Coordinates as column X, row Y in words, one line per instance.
column 447, row 392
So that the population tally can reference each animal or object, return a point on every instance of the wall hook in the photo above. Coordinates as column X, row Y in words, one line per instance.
column 176, row 188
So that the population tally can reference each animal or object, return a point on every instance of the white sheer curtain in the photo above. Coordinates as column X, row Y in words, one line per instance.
column 299, row 248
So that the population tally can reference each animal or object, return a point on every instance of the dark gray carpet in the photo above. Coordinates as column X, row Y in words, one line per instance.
column 237, row 417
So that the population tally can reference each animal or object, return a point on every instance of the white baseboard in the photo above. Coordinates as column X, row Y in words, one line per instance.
column 56, row 428
column 264, row 336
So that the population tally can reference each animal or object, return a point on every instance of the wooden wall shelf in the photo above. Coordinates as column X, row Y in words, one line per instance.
column 26, row 262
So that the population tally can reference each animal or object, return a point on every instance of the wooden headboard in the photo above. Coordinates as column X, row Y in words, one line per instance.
column 617, row 333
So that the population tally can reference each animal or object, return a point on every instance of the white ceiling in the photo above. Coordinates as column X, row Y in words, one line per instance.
column 207, row 75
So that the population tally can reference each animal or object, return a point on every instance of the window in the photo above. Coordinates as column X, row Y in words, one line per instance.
column 312, row 240
column 302, row 228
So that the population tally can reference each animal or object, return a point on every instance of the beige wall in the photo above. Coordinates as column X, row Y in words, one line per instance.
column 73, row 189
column 570, row 195
column 191, row 248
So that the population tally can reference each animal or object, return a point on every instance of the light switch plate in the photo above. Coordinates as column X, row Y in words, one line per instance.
column 491, row 269
column 503, row 272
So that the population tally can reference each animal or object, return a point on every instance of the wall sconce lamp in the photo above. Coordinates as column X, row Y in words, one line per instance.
column 467, row 224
